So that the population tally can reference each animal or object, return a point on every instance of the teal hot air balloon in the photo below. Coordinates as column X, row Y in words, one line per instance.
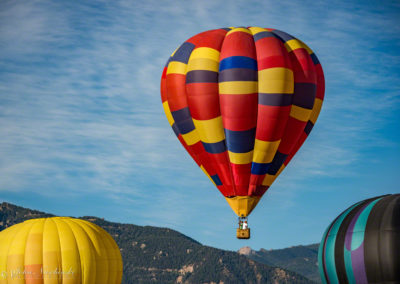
column 362, row 245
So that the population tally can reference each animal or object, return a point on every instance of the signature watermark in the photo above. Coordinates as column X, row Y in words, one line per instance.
column 21, row 273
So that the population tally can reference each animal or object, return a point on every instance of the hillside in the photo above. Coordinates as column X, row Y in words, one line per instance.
column 161, row 255
column 300, row 259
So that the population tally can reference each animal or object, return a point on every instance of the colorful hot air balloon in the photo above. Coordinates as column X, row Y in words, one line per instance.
column 362, row 245
column 58, row 250
column 242, row 101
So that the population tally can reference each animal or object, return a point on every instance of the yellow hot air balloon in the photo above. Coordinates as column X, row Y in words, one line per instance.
column 58, row 250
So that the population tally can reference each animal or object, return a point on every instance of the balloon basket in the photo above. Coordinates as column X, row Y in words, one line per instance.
column 243, row 233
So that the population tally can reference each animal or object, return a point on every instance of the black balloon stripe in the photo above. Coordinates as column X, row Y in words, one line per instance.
column 238, row 74
column 304, row 95
column 201, row 76
column 275, row 99
column 309, row 127
column 261, row 35
column 382, row 241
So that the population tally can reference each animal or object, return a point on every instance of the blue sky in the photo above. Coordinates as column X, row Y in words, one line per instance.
column 83, row 130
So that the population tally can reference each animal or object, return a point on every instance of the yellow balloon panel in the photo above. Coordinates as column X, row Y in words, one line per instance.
column 51, row 253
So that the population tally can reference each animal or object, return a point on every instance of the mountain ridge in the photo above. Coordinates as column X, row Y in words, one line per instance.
column 300, row 259
column 163, row 255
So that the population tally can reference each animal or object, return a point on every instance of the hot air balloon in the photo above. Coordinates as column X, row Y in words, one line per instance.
column 362, row 245
column 58, row 250
column 242, row 101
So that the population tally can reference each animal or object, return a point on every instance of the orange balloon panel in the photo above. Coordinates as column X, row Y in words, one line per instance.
column 242, row 101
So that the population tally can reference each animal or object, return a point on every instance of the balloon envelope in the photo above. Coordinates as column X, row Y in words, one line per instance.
column 242, row 101
column 362, row 245
column 58, row 250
